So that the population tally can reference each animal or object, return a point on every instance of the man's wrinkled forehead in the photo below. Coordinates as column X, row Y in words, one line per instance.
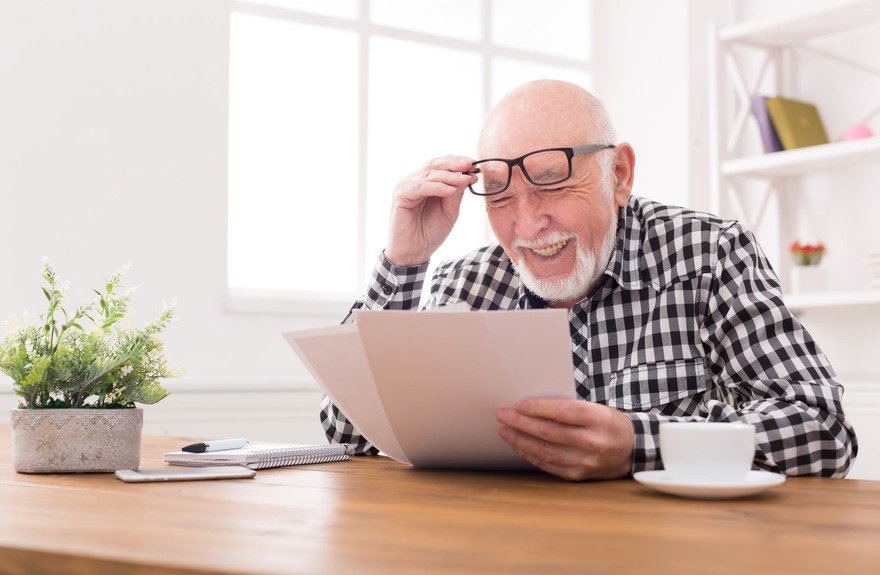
column 517, row 130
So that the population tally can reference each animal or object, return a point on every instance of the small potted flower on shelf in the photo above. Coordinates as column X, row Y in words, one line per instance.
column 78, row 385
column 806, row 275
column 807, row 254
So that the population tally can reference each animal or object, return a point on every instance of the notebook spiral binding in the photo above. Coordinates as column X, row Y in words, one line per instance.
column 298, row 460
column 264, row 459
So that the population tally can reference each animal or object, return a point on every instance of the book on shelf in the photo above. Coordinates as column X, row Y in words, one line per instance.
column 769, row 137
column 797, row 123
column 872, row 266
column 264, row 455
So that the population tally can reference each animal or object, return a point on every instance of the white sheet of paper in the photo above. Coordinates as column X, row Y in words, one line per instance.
column 442, row 376
column 335, row 358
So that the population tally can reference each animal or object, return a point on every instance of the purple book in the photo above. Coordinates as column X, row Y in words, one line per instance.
column 768, row 133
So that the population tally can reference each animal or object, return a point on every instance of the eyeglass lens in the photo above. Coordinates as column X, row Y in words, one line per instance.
column 541, row 168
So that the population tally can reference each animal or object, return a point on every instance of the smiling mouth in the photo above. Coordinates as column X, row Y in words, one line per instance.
column 551, row 249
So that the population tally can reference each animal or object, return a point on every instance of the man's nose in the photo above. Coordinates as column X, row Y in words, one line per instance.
column 530, row 219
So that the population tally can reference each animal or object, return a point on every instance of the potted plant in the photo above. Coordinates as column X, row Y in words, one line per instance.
column 78, row 376
column 806, row 275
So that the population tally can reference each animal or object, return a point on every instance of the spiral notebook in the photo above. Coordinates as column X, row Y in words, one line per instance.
column 264, row 455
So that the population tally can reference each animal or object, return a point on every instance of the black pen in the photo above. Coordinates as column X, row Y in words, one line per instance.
column 216, row 445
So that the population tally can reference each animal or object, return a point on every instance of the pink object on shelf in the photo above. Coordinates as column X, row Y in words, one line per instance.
column 857, row 132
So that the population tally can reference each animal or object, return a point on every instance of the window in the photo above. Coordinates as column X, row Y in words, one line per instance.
column 332, row 103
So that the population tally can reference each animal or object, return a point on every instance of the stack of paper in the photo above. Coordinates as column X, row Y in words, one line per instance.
column 263, row 455
column 872, row 265
column 424, row 387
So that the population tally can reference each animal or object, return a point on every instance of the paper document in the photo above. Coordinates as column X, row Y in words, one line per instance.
column 424, row 387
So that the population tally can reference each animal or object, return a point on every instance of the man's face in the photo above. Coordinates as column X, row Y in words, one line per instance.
column 561, row 236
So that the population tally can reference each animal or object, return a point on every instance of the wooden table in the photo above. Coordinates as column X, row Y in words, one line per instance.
column 373, row 515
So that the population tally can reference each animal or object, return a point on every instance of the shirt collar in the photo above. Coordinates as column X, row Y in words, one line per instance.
column 623, row 267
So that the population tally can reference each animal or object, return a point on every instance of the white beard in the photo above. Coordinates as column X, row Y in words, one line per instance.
column 588, row 268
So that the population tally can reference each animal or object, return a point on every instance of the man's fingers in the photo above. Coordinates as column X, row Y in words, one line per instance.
column 570, row 411
column 419, row 184
column 425, row 189
column 570, row 438
column 425, row 208
column 539, row 452
column 456, row 179
column 451, row 163
column 567, row 472
column 546, row 429
column 432, row 183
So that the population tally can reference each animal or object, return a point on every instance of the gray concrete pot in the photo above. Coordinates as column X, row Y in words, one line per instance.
column 76, row 440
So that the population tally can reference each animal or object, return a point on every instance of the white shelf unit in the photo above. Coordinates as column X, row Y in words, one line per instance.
column 803, row 302
column 741, row 181
column 776, row 43
column 803, row 28
column 804, row 161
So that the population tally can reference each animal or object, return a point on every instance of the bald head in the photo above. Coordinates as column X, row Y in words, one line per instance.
column 560, row 241
column 544, row 114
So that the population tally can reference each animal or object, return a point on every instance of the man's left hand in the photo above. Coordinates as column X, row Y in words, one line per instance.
column 570, row 438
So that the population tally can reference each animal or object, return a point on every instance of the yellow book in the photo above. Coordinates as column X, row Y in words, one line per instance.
column 797, row 123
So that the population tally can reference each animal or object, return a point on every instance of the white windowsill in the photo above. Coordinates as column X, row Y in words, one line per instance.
column 219, row 384
column 280, row 302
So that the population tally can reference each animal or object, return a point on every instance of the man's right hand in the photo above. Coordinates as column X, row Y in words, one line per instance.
column 424, row 209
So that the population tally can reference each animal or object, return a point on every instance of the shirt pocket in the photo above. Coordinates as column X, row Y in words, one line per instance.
column 645, row 386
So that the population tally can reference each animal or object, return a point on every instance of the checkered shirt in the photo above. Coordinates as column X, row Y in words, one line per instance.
column 687, row 324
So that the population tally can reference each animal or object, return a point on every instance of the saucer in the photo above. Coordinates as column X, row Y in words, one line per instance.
column 754, row 482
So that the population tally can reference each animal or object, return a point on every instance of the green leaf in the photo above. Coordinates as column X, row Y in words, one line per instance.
column 30, row 386
column 150, row 394
column 72, row 367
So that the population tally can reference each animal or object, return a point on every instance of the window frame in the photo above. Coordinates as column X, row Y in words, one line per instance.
column 309, row 303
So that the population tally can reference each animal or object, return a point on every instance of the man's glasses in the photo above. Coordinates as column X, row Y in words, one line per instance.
column 541, row 168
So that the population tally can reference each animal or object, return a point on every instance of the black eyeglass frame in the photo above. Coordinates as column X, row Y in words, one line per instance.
column 569, row 152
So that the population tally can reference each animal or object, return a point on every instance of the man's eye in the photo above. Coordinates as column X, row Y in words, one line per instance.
column 553, row 190
column 498, row 202
column 491, row 186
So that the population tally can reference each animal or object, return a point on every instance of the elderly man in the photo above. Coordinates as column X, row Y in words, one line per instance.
column 675, row 315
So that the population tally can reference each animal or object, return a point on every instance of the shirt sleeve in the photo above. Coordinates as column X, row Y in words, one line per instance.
column 764, row 369
column 390, row 287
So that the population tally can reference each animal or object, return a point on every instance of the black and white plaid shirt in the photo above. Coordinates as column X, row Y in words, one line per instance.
column 687, row 324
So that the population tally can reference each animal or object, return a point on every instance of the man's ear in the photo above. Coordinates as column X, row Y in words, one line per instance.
column 623, row 172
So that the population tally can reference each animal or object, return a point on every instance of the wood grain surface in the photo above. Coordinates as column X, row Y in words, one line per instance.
column 373, row 515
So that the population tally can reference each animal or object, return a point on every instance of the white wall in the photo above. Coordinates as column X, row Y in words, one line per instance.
column 652, row 74
column 646, row 96
column 839, row 208
column 113, row 150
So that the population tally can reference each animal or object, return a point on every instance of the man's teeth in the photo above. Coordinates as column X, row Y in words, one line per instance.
column 550, row 250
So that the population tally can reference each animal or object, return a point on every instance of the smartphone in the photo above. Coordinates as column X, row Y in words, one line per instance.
column 185, row 473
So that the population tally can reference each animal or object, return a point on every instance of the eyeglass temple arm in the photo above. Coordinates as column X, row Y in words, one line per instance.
column 591, row 148
column 581, row 150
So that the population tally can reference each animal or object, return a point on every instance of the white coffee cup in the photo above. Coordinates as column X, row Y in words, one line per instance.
column 707, row 452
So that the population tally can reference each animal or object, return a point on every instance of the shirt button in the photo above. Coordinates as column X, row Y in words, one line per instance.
column 387, row 289
column 577, row 338
column 637, row 402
